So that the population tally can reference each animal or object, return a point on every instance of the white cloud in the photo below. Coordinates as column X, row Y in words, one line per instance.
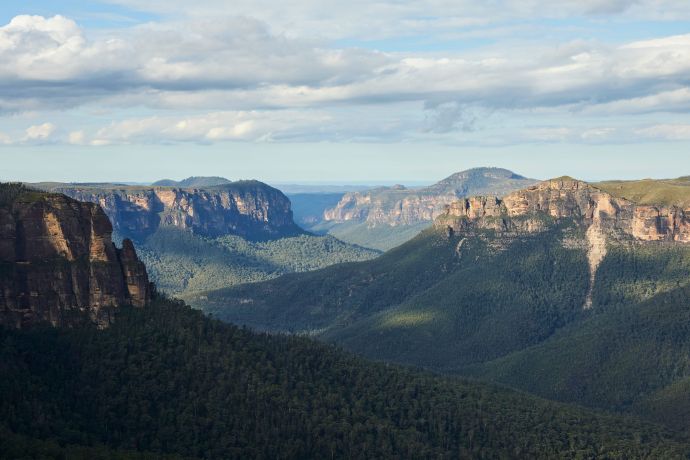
column 39, row 132
column 211, row 127
column 392, row 18
column 77, row 137
column 672, row 132
column 240, row 78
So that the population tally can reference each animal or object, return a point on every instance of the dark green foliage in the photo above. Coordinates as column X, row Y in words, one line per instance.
column 10, row 191
column 18, row 447
column 338, row 294
column 504, row 310
column 165, row 379
column 427, row 302
column 184, row 264
column 492, row 302
column 630, row 352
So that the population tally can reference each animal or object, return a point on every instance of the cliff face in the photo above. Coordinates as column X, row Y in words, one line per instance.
column 533, row 208
column 401, row 206
column 250, row 209
column 58, row 263
column 605, row 217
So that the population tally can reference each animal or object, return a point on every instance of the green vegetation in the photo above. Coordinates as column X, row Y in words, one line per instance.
column 167, row 380
column 503, row 309
column 11, row 191
column 631, row 353
column 381, row 237
column 183, row 264
column 667, row 192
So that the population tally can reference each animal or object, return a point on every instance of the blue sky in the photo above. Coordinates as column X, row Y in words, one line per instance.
column 323, row 92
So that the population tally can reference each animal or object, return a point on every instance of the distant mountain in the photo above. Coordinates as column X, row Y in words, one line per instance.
column 399, row 205
column 561, row 289
column 193, row 182
column 250, row 209
column 385, row 217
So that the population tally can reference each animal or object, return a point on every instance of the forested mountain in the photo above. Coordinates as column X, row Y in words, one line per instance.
column 386, row 217
column 167, row 380
column 561, row 289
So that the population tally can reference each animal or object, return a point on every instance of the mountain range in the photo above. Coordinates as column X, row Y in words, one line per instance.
column 156, row 379
column 385, row 217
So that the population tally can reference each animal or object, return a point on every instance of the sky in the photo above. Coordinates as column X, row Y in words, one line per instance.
column 365, row 91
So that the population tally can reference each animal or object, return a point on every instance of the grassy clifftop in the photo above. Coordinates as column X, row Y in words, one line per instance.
column 664, row 192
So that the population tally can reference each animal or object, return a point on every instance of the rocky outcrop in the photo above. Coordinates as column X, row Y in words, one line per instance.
column 59, row 265
column 249, row 208
column 537, row 208
column 398, row 205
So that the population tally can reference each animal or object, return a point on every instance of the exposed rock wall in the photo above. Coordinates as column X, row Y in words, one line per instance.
column 250, row 209
column 536, row 208
column 58, row 263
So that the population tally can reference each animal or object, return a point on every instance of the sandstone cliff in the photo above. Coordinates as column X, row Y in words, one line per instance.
column 248, row 208
column 605, row 218
column 58, row 263
column 401, row 206
column 534, row 208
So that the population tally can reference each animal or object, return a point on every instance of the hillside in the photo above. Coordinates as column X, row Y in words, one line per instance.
column 168, row 381
column 386, row 217
column 513, row 290
column 183, row 264
column 667, row 192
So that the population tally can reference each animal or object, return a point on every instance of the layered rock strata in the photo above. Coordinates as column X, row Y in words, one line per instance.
column 59, row 265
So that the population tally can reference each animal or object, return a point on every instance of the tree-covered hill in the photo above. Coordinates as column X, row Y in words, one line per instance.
column 509, row 311
column 183, row 264
column 167, row 380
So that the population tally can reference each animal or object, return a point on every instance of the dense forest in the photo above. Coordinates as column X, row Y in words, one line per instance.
column 504, row 310
column 166, row 379
column 184, row 264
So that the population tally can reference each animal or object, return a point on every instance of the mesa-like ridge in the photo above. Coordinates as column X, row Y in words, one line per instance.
column 246, row 208
column 536, row 208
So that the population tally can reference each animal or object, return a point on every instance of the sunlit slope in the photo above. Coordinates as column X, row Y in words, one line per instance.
column 668, row 192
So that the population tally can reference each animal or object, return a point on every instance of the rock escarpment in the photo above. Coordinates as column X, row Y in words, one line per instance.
column 539, row 207
column 58, row 263
column 249, row 208
column 535, row 208
column 401, row 206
